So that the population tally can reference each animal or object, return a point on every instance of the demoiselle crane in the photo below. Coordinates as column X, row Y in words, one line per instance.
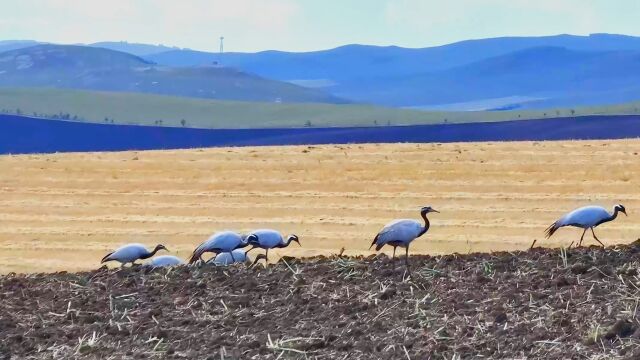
column 165, row 260
column 224, row 258
column 131, row 252
column 223, row 241
column 269, row 239
column 586, row 217
column 239, row 256
column 400, row 233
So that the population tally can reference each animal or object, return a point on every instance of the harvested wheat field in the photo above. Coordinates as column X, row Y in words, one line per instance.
column 65, row 211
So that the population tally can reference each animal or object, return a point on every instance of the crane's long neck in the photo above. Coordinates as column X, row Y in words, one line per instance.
column 243, row 244
column 150, row 254
column 285, row 244
column 426, row 225
column 612, row 216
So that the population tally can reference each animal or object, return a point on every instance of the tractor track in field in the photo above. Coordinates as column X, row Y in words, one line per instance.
column 537, row 304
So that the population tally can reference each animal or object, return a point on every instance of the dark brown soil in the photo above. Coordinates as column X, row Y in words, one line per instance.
column 523, row 305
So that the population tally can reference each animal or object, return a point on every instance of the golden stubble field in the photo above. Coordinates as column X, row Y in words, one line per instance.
column 65, row 211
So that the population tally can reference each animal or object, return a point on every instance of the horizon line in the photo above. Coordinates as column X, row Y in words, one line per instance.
column 174, row 47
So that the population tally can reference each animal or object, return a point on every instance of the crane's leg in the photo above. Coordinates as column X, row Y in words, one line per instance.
column 582, row 237
column 232, row 257
column 595, row 237
column 406, row 259
column 393, row 258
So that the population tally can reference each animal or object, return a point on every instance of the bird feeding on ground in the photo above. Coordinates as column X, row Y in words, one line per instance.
column 165, row 260
column 586, row 217
column 400, row 233
column 239, row 256
column 224, row 241
column 131, row 252
column 269, row 239
column 224, row 258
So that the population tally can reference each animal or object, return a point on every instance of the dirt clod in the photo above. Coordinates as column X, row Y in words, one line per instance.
column 500, row 318
column 621, row 329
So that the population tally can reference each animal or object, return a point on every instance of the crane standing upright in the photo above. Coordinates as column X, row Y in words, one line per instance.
column 586, row 217
column 400, row 233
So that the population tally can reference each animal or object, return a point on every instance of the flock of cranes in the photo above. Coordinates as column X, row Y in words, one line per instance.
column 228, row 245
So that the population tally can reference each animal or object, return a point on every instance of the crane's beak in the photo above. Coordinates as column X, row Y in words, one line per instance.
column 434, row 210
column 625, row 213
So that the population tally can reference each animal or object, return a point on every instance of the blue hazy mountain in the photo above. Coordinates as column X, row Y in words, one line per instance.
column 540, row 69
column 82, row 67
column 544, row 76
column 507, row 72
column 134, row 48
column 123, row 46
column 6, row 45
column 355, row 61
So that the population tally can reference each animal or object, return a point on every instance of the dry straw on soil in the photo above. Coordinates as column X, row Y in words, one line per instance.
column 538, row 304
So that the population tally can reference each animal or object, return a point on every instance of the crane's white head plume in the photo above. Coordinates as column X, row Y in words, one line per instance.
column 295, row 238
column 620, row 208
column 251, row 239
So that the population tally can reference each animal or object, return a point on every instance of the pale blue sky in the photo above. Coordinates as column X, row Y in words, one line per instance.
column 299, row 25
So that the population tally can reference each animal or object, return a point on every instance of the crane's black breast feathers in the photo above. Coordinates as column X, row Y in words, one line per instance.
column 374, row 242
column 195, row 256
column 390, row 243
column 104, row 259
column 551, row 229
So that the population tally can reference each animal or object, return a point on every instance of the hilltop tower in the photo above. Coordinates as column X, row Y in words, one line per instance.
column 221, row 44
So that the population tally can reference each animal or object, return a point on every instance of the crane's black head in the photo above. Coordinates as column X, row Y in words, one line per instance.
column 428, row 209
column 258, row 258
column 295, row 238
column 161, row 247
column 252, row 239
column 621, row 208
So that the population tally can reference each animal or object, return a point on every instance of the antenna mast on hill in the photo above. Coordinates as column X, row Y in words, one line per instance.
column 221, row 44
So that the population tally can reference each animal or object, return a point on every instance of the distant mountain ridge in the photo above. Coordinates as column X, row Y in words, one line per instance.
column 134, row 48
column 495, row 73
column 6, row 45
column 82, row 67
column 453, row 73
column 355, row 60
column 546, row 74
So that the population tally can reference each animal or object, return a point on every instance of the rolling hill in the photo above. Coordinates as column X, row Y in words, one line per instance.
column 445, row 74
column 563, row 71
column 149, row 109
column 20, row 134
column 133, row 48
column 6, row 45
column 81, row 67
column 358, row 61
column 541, row 74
